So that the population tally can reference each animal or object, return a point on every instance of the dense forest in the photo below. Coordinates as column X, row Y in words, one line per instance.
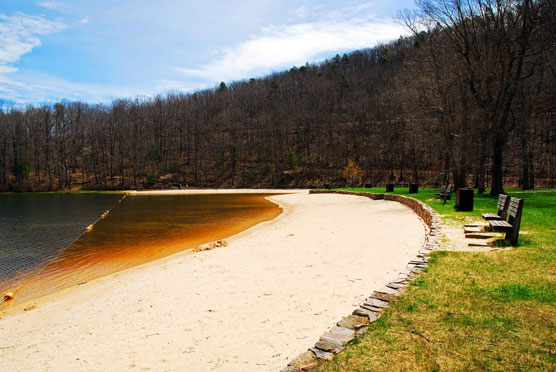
column 469, row 98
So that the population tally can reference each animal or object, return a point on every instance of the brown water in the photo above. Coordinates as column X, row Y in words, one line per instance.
column 140, row 229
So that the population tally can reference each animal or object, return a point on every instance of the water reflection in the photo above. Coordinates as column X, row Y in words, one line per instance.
column 35, row 227
column 147, row 227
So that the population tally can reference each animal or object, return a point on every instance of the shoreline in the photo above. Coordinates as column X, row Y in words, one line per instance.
column 277, row 291
column 215, row 191
column 191, row 190
column 74, row 277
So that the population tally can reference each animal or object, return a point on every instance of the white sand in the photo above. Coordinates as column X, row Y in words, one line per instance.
column 251, row 306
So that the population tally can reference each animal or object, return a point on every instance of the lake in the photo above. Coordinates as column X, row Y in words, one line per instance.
column 39, row 256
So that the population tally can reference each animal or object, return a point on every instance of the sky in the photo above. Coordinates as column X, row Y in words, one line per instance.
column 98, row 50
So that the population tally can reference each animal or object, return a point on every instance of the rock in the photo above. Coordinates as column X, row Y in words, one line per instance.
column 353, row 322
column 338, row 335
column 371, row 308
column 326, row 346
column 416, row 262
column 375, row 302
column 361, row 331
column 386, row 290
column 304, row 362
column 324, row 355
column 416, row 270
column 383, row 296
column 211, row 246
column 371, row 315
column 396, row 285
column 291, row 369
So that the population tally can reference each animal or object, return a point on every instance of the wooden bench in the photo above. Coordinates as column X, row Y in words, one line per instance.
column 510, row 227
column 502, row 206
column 445, row 193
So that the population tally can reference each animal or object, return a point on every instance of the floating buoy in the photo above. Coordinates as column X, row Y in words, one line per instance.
column 9, row 296
column 89, row 228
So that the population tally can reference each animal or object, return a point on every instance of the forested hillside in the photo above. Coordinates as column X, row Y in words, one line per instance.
column 470, row 96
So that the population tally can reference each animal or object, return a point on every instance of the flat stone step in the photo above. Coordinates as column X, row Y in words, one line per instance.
column 417, row 262
column 338, row 335
column 384, row 296
column 479, row 243
column 370, row 314
column 387, row 290
column 479, row 236
column 371, row 308
column 304, row 361
column 353, row 322
column 475, row 224
column 400, row 279
column 321, row 354
column 328, row 346
column 414, row 269
column 375, row 302
column 474, row 230
column 396, row 285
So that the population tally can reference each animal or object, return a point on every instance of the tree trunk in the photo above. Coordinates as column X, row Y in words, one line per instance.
column 497, row 163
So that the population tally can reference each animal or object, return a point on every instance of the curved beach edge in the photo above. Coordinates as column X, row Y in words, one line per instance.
column 250, row 306
column 357, row 323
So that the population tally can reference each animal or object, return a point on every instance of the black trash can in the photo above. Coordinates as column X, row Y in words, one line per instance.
column 389, row 187
column 464, row 199
column 413, row 188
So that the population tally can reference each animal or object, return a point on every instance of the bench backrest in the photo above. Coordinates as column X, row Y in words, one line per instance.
column 503, row 201
column 515, row 210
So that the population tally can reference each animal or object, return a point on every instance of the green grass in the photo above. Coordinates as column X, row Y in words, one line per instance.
column 472, row 311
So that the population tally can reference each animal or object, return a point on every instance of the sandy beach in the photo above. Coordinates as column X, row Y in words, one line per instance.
column 252, row 305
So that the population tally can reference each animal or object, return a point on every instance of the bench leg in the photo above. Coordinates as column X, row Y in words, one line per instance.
column 512, row 236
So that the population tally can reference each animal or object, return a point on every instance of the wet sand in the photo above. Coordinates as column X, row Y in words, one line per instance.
column 139, row 229
column 250, row 306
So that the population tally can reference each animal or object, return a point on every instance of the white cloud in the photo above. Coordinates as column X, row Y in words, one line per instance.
column 172, row 85
column 42, row 88
column 19, row 34
column 280, row 47
column 301, row 12
column 49, row 4
column 6, row 70
column 310, row 34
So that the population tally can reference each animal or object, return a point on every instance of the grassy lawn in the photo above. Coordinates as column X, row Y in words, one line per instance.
column 488, row 311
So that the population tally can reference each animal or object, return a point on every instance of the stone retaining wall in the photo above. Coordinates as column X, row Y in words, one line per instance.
column 357, row 323
column 426, row 213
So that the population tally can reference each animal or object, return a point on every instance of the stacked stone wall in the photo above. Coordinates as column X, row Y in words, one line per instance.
column 357, row 323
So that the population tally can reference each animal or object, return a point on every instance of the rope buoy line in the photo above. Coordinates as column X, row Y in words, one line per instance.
column 8, row 296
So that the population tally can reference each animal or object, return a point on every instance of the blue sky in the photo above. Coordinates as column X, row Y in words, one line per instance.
column 97, row 50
